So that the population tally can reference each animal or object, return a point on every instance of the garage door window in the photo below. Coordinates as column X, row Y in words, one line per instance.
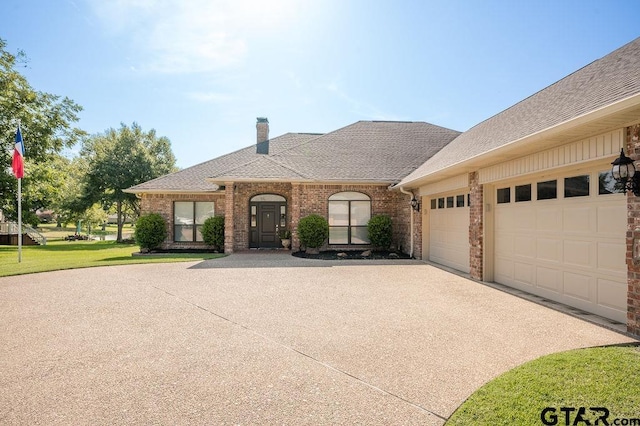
column 547, row 190
column 459, row 200
column 576, row 186
column 433, row 203
column 504, row 195
column 607, row 184
column 523, row 193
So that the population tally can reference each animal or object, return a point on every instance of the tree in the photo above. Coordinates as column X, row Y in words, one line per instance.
column 119, row 159
column 45, row 120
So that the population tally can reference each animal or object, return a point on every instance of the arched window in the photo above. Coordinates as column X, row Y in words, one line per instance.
column 349, row 213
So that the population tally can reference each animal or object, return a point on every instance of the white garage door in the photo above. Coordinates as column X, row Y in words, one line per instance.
column 564, row 239
column 449, row 231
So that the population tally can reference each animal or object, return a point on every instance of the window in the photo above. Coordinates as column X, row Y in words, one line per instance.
column 441, row 203
column 548, row 190
column 523, row 193
column 504, row 195
column 449, row 202
column 349, row 213
column 577, row 186
column 433, row 203
column 459, row 200
column 188, row 217
column 607, row 184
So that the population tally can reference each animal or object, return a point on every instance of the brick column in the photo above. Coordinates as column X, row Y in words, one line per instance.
column 229, row 203
column 294, row 211
column 633, row 234
column 476, row 227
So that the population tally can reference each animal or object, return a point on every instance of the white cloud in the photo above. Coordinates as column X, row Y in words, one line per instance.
column 187, row 36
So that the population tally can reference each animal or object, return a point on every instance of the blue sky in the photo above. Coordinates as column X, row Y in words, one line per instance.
column 201, row 71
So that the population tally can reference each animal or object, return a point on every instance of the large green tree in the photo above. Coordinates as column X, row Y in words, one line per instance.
column 46, row 122
column 119, row 159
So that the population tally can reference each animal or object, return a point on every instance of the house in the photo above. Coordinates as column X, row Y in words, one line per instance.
column 544, row 214
column 263, row 189
column 526, row 198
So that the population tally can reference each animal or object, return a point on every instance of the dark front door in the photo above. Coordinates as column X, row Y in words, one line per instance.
column 266, row 218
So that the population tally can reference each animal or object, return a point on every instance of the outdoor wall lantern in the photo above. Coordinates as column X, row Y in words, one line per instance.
column 624, row 172
column 415, row 204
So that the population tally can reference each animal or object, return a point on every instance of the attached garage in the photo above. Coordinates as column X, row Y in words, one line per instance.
column 562, row 237
column 448, row 237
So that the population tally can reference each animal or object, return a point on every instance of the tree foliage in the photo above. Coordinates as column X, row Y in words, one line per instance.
column 46, row 122
column 119, row 159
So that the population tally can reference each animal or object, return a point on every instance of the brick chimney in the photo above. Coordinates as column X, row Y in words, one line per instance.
column 262, row 142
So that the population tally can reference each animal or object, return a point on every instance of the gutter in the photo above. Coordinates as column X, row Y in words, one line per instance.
column 411, row 224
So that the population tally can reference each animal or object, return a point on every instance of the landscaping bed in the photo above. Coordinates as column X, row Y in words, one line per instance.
column 351, row 255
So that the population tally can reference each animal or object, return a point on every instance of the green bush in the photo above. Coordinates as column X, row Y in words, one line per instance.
column 213, row 232
column 151, row 231
column 313, row 230
column 380, row 232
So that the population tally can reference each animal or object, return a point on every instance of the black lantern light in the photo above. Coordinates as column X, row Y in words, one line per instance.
column 624, row 172
column 415, row 204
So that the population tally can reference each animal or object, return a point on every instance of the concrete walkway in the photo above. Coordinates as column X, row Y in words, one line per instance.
column 263, row 338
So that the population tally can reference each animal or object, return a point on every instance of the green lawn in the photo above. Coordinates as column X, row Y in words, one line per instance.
column 82, row 254
column 602, row 378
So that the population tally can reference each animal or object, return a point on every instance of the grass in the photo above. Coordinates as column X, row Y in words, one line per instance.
column 594, row 377
column 58, row 255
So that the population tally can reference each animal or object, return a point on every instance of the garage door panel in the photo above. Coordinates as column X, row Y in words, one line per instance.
column 523, row 273
column 524, row 246
column 527, row 220
column 549, row 220
column 611, row 220
column 549, row 249
column 504, row 244
column 611, row 294
column 611, row 256
column 578, row 220
column 548, row 278
column 578, row 285
column 578, row 253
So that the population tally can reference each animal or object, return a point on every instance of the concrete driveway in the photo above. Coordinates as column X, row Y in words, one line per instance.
column 255, row 339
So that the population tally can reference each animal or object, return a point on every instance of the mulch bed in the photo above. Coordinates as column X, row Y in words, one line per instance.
column 350, row 255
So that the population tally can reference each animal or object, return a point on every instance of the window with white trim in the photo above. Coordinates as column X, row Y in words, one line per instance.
column 188, row 218
column 349, row 213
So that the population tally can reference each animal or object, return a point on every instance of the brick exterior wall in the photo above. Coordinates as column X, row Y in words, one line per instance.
column 633, row 234
column 163, row 205
column 302, row 200
column 476, row 227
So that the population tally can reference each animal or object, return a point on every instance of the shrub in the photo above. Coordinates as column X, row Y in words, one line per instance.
column 313, row 230
column 151, row 230
column 213, row 232
column 380, row 232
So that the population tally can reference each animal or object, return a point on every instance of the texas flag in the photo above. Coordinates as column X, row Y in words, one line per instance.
column 18, row 156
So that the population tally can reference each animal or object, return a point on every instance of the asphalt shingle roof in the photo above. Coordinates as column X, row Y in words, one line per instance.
column 371, row 151
column 601, row 83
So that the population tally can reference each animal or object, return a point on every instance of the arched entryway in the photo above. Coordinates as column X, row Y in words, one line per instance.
column 267, row 217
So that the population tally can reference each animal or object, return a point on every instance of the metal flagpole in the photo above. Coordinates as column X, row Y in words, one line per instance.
column 20, row 220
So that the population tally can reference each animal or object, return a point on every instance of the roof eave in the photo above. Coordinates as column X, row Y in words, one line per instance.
column 501, row 153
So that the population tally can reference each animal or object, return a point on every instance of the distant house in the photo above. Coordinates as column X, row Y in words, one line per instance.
column 526, row 198
column 263, row 189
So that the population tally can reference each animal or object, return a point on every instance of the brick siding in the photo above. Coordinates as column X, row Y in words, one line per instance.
column 476, row 227
column 633, row 234
column 302, row 200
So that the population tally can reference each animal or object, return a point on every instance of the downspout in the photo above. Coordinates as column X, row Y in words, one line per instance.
column 411, row 222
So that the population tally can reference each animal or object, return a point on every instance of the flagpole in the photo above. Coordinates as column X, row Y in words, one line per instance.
column 20, row 220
